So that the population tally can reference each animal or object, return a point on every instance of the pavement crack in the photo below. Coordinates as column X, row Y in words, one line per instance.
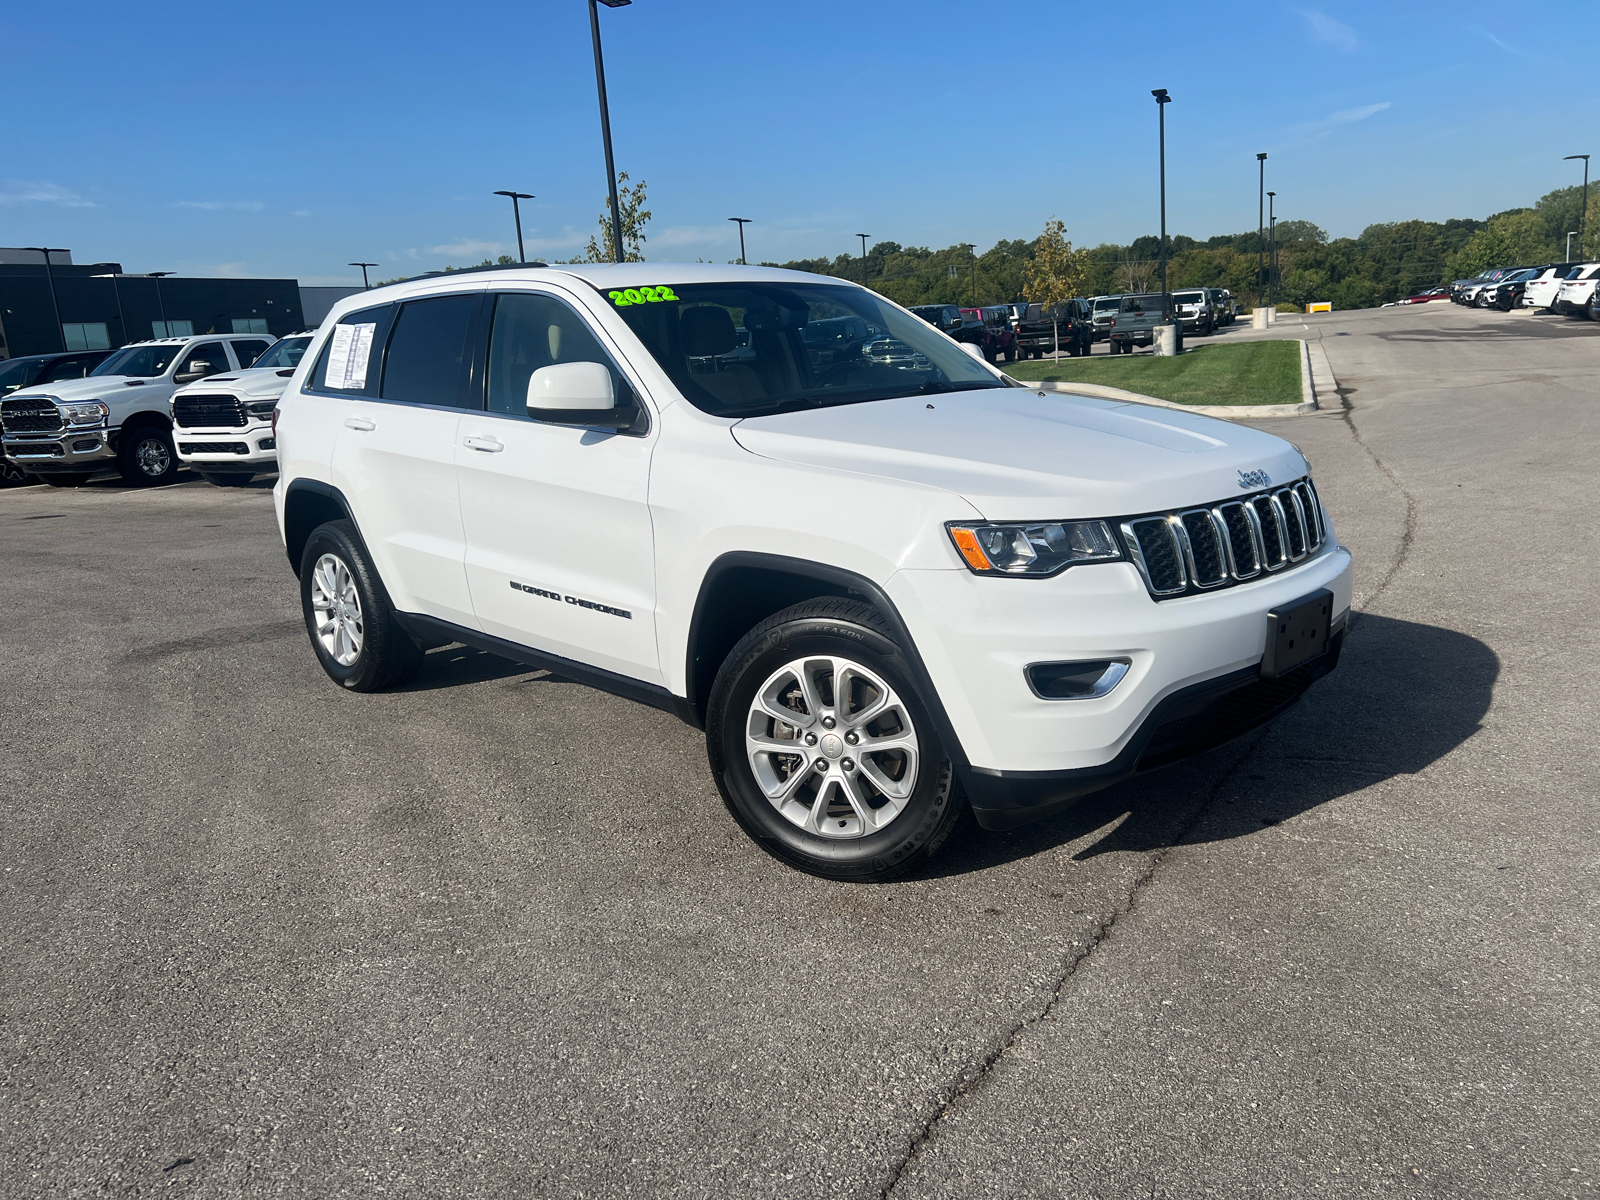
column 973, row 1079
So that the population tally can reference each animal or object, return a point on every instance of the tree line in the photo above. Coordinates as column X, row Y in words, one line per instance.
column 1386, row 262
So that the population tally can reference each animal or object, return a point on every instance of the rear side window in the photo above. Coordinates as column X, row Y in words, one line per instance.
column 248, row 351
column 349, row 360
column 426, row 350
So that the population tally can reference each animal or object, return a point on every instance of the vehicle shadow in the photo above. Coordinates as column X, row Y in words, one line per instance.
column 457, row 666
column 1404, row 696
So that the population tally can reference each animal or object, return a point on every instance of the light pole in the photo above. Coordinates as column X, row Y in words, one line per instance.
column 1272, row 249
column 1261, row 206
column 863, row 237
column 50, row 274
column 743, row 221
column 1583, row 213
column 122, row 321
column 1162, row 100
column 161, row 301
column 516, row 212
column 605, row 122
column 364, row 267
column 1570, row 234
column 973, row 252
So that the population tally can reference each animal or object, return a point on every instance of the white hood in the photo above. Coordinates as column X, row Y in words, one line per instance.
column 108, row 388
column 1014, row 453
column 263, row 384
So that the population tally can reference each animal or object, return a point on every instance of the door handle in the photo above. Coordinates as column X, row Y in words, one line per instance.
column 361, row 423
column 488, row 445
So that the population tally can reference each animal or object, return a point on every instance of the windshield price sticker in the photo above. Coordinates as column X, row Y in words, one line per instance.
column 347, row 357
column 644, row 295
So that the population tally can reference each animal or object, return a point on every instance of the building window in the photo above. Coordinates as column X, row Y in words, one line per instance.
column 172, row 328
column 250, row 325
column 87, row 336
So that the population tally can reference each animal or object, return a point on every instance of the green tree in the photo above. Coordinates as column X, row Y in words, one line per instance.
column 630, row 204
column 1056, row 273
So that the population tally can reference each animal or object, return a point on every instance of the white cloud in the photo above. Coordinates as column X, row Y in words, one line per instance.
column 38, row 191
column 694, row 235
column 1356, row 114
column 1330, row 32
column 228, row 270
column 220, row 205
column 301, row 212
column 468, row 246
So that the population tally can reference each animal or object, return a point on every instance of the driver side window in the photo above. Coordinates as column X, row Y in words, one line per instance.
column 202, row 361
column 531, row 330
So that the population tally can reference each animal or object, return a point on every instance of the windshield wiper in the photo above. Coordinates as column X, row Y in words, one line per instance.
column 767, row 408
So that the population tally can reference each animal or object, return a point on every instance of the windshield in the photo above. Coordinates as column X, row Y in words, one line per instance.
column 1107, row 303
column 286, row 353
column 144, row 362
column 19, row 373
column 1188, row 298
column 1519, row 276
column 810, row 345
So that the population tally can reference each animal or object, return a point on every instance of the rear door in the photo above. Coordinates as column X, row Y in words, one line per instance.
column 560, row 552
column 394, row 446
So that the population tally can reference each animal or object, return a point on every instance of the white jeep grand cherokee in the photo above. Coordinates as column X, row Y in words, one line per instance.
column 886, row 586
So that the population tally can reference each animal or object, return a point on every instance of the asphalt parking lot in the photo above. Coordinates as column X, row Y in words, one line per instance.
column 494, row 935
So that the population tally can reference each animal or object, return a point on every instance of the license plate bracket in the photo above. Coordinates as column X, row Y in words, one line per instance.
column 1297, row 632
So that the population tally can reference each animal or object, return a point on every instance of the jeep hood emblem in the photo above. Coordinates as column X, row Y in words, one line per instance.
column 1254, row 479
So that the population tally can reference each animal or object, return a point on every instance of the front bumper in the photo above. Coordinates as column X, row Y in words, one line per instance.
column 68, row 450
column 252, row 448
column 1028, row 756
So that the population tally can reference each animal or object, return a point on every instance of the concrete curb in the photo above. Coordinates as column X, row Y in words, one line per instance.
column 1308, row 393
column 1228, row 412
column 1323, row 384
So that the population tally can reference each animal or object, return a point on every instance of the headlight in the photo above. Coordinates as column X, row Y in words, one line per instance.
column 1033, row 549
column 261, row 408
column 91, row 412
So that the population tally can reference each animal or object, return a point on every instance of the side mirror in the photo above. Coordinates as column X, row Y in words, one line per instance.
column 975, row 351
column 578, row 393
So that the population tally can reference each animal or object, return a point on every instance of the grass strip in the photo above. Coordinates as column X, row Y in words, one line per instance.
column 1244, row 373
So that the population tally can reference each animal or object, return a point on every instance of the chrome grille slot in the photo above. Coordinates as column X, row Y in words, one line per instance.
column 213, row 448
column 30, row 415
column 1294, row 526
column 208, row 412
column 1154, row 544
column 1315, row 533
column 1244, row 560
column 1270, row 526
column 1207, row 561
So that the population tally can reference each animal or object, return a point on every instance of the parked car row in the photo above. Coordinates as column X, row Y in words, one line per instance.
column 145, row 409
column 1566, row 288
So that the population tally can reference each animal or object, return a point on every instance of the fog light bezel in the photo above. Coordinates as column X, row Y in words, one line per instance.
column 1113, row 670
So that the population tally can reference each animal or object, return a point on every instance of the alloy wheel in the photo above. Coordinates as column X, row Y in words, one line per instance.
column 832, row 747
column 338, row 607
column 153, row 457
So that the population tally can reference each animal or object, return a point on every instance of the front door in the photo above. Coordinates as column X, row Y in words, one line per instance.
column 560, row 555
column 394, row 451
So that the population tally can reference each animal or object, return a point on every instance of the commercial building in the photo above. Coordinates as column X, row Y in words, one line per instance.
column 46, row 307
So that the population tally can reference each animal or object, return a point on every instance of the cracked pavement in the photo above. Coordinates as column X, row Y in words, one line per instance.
column 493, row 934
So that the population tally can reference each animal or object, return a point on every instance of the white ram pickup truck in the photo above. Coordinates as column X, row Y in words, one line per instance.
column 223, row 425
column 118, row 418
column 888, row 586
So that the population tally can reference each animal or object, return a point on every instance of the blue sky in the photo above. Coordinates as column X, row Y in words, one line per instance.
column 221, row 139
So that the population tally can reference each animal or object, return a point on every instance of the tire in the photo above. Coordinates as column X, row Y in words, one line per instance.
column 146, row 457
column 65, row 478
column 837, row 822
column 364, row 650
column 1011, row 354
column 229, row 479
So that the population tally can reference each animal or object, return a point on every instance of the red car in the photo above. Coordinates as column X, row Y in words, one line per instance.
column 1438, row 293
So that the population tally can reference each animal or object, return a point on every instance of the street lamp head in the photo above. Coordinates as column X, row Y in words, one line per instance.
column 516, row 195
column 164, row 274
column 1161, row 96
column 742, row 220
column 1272, row 193
column 1569, row 157
column 616, row 3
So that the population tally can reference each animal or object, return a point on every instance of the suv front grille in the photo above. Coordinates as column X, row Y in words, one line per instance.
column 213, row 448
column 1225, row 543
column 208, row 412
column 30, row 415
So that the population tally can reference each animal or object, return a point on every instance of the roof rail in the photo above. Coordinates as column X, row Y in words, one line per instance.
column 473, row 270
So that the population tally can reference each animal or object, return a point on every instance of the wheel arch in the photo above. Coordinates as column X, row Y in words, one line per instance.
column 742, row 588
column 308, row 503
column 143, row 419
